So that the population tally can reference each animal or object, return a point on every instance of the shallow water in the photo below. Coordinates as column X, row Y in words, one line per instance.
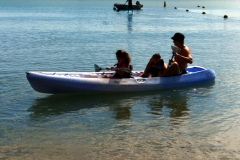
column 198, row 122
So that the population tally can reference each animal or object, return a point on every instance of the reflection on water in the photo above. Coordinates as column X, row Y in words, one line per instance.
column 176, row 104
column 60, row 104
column 122, row 113
column 120, row 103
column 129, row 24
column 115, row 125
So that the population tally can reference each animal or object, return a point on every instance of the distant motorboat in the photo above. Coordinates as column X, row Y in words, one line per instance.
column 118, row 6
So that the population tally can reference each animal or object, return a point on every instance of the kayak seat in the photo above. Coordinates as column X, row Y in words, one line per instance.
column 136, row 74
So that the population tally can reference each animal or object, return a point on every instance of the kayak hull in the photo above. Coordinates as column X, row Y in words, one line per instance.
column 91, row 82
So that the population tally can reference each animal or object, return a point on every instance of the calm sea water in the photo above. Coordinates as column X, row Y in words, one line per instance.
column 198, row 122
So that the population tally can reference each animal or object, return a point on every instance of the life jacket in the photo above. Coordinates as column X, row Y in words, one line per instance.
column 119, row 65
column 157, row 67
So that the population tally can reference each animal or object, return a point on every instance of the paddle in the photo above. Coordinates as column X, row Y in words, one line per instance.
column 98, row 68
column 174, row 50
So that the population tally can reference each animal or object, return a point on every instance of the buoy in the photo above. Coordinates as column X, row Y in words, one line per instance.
column 175, row 7
column 203, row 6
column 198, row 6
column 225, row 16
column 187, row 10
column 165, row 5
column 203, row 12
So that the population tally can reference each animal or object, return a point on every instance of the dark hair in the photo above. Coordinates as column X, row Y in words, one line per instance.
column 156, row 55
column 123, row 54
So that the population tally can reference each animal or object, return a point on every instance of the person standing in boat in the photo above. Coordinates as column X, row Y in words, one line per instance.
column 179, row 64
column 130, row 5
column 155, row 67
column 123, row 63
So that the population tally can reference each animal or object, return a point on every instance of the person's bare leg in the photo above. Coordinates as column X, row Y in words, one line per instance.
column 172, row 70
column 148, row 67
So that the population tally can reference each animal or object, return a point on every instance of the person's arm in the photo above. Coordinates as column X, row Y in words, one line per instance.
column 185, row 55
column 187, row 59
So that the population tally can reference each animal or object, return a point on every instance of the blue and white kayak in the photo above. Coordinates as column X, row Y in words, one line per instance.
column 91, row 82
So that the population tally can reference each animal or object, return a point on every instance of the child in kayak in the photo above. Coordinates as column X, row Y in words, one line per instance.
column 123, row 67
column 155, row 67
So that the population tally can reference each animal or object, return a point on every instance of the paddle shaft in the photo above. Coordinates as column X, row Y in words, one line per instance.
column 169, row 63
column 97, row 69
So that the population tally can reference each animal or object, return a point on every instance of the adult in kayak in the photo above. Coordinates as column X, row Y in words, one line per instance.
column 123, row 63
column 155, row 67
column 179, row 64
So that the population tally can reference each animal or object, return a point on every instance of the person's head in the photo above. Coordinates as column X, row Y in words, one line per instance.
column 178, row 37
column 156, row 57
column 123, row 54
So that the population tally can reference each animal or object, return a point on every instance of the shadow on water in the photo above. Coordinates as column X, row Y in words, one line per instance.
column 120, row 103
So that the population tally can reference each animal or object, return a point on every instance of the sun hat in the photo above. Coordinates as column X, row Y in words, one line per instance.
column 178, row 37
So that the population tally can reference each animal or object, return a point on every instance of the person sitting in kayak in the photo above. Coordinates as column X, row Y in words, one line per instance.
column 123, row 67
column 179, row 64
column 155, row 67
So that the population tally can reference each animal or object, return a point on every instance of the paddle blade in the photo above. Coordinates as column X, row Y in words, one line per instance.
column 97, row 68
column 175, row 49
